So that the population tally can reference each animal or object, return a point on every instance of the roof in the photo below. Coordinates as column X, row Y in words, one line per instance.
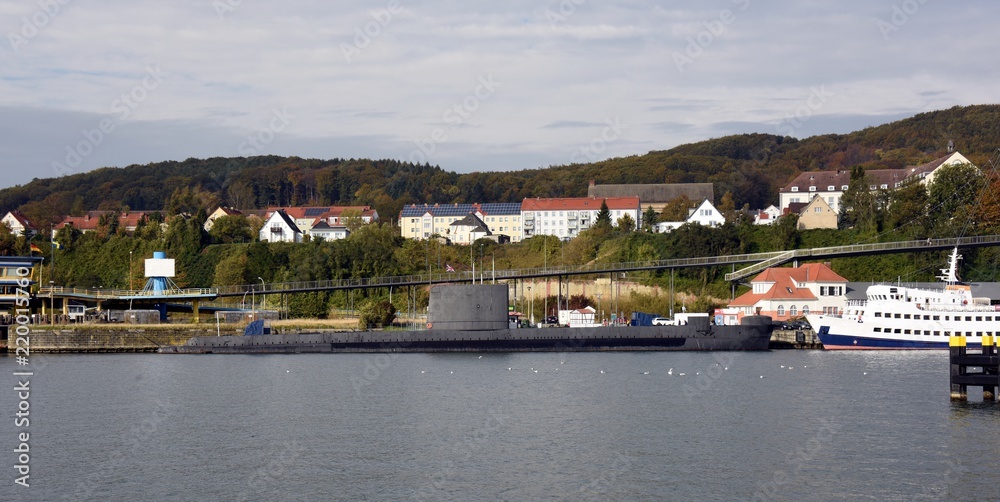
column 471, row 220
column 301, row 212
column 796, row 207
column 579, row 204
column 810, row 272
column 21, row 220
column 288, row 220
column 654, row 193
column 490, row 208
column 322, row 225
column 229, row 211
column 890, row 178
column 92, row 219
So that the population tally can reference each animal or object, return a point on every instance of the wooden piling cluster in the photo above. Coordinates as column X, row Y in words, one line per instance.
column 978, row 369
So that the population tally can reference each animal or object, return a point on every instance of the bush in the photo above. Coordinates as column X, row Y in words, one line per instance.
column 376, row 313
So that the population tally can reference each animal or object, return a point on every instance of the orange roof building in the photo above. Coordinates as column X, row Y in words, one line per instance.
column 788, row 292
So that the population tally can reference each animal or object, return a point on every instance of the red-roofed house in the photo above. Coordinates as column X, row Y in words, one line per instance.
column 787, row 292
column 90, row 221
column 567, row 217
column 305, row 217
column 219, row 213
column 18, row 224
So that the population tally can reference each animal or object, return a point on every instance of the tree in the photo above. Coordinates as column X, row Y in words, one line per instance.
column 603, row 216
column 231, row 271
column 231, row 228
column 955, row 187
column 649, row 217
column 727, row 207
column 859, row 207
column 677, row 209
column 907, row 209
column 626, row 223
column 374, row 312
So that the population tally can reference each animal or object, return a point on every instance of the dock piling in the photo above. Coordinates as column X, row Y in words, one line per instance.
column 978, row 368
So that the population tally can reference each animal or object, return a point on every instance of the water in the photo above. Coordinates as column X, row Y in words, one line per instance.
column 464, row 427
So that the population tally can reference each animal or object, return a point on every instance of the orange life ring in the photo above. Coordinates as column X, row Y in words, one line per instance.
column 429, row 325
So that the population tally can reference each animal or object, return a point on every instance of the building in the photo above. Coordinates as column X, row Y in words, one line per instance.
column 219, row 213
column 705, row 215
column 817, row 214
column 19, row 224
column 767, row 216
column 468, row 229
column 831, row 185
column 307, row 216
column 426, row 220
column 656, row 195
column 567, row 217
column 788, row 292
column 92, row 220
column 327, row 232
column 12, row 287
column 279, row 227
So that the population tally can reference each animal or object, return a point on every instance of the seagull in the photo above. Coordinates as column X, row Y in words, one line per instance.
column 680, row 374
column 421, row 371
column 602, row 372
column 782, row 365
column 645, row 372
column 480, row 357
column 508, row 369
column 451, row 372
column 726, row 368
column 865, row 373
column 762, row 376
column 670, row 371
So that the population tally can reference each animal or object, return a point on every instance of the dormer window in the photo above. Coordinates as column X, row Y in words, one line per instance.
column 812, row 189
column 843, row 187
column 831, row 188
column 884, row 186
column 795, row 189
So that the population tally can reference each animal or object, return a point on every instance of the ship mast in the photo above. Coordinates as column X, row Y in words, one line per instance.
column 950, row 275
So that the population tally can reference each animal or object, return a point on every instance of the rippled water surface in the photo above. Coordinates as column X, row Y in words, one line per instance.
column 782, row 425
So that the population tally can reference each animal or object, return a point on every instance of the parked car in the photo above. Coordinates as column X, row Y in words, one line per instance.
column 662, row 321
column 552, row 320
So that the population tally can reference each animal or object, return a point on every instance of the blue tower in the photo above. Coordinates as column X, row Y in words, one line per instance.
column 159, row 271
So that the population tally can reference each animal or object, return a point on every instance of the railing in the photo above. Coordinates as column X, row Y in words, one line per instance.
column 126, row 293
column 860, row 249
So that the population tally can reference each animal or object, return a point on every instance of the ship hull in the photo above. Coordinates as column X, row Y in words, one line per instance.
column 753, row 334
column 842, row 334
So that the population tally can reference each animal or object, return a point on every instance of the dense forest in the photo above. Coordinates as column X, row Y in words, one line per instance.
column 746, row 170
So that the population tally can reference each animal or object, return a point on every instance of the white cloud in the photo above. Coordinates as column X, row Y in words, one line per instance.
column 560, row 78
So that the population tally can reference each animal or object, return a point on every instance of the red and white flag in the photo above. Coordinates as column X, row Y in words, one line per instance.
column 448, row 268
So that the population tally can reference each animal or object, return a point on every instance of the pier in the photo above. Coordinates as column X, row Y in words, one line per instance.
column 975, row 368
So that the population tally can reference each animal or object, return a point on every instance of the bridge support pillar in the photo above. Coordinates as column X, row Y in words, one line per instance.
column 195, row 305
column 65, row 306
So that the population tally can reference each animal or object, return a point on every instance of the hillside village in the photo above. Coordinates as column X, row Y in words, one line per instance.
column 812, row 201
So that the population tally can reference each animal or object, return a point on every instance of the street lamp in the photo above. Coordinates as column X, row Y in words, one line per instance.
column 531, row 303
column 599, row 306
column 130, row 270
column 263, row 288
column 52, row 303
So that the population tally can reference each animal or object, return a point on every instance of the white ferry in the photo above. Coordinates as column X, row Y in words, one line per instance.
column 899, row 317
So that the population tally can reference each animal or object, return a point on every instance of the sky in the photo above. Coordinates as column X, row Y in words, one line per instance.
column 467, row 85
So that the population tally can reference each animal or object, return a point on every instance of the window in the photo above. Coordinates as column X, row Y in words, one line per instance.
column 872, row 187
column 878, row 314
column 843, row 187
column 805, row 310
column 884, row 186
column 831, row 188
column 817, row 209
column 781, row 310
column 812, row 189
column 877, row 330
column 792, row 311
column 795, row 189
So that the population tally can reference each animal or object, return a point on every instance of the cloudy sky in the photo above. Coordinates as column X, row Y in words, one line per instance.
column 468, row 85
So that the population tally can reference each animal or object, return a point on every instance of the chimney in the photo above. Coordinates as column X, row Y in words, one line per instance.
column 593, row 184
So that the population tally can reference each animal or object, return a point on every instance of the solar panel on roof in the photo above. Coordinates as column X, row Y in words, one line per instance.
column 315, row 211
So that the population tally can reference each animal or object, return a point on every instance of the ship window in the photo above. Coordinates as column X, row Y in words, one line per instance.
column 937, row 333
column 878, row 314
column 906, row 332
column 937, row 318
column 897, row 316
column 906, row 316
column 979, row 318
column 927, row 317
column 948, row 318
column 979, row 333
column 897, row 331
column 877, row 330
column 968, row 318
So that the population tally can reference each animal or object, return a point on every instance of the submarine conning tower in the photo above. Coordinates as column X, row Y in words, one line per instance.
column 468, row 307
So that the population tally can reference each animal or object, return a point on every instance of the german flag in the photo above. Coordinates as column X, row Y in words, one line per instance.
column 35, row 249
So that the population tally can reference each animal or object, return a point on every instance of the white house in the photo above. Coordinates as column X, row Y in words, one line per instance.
column 18, row 224
column 327, row 232
column 705, row 215
column 767, row 216
column 279, row 227
column 831, row 185
column 468, row 229
column 426, row 220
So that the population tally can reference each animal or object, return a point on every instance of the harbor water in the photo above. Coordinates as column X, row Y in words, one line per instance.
column 780, row 425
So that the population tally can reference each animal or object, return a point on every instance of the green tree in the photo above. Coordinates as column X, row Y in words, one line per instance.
column 907, row 211
column 859, row 206
column 376, row 313
column 603, row 217
column 231, row 271
column 231, row 228
column 649, row 217
column 626, row 223
column 955, row 187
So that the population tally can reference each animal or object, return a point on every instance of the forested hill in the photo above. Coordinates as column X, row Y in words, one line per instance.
column 751, row 166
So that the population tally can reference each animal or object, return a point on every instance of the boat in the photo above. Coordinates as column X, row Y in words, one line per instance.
column 475, row 318
column 901, row 317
